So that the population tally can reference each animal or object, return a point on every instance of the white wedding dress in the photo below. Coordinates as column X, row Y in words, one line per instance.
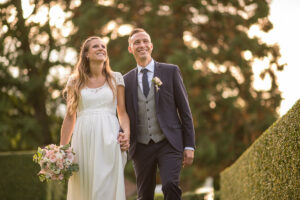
column 94, row 140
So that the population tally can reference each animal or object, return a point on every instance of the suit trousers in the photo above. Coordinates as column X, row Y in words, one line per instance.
column 150, row 157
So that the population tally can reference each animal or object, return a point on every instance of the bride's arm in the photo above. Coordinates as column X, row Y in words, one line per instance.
column 123, row 116
column 67, row 128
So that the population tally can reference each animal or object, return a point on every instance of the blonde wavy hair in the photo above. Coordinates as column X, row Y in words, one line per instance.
column 80, row 76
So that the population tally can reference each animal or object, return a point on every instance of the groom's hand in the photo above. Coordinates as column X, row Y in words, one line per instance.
column 123, row 140
column 188, row 157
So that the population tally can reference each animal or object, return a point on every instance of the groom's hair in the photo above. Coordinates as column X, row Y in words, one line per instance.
column 135, row 31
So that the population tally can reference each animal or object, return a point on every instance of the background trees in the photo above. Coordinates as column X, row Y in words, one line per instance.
column 208, row 39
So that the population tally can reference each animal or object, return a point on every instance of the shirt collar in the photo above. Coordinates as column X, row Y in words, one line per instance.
column 150, row 67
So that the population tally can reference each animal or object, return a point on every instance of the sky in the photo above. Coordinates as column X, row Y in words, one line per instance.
column 285, row 17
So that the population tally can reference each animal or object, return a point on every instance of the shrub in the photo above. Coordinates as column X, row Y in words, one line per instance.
column 192, row 196
column 19, row 179
column 270, row 168
column 185, row 196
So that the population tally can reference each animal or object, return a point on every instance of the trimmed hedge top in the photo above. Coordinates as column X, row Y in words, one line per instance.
column 270, row 167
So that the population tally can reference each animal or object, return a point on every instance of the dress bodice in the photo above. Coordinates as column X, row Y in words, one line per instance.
column 101, row 98
column 97, row 99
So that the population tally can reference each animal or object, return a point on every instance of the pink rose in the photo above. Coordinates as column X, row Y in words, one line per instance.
column 47, row 153
column 61, row 177
column 53, row 158
column 70, row 157
column 60, row 164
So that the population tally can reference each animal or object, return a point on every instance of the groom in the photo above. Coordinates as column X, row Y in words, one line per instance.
column 162, row 132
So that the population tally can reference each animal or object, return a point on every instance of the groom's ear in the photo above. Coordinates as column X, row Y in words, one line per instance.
column 129, row 49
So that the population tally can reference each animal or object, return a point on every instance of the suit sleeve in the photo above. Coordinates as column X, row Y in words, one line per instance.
column 181, row 100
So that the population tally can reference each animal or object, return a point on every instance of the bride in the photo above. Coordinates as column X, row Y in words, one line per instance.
column 94, row 95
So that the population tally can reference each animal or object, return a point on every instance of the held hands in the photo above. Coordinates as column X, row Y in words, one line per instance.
column 188, row 157
column 123, row 140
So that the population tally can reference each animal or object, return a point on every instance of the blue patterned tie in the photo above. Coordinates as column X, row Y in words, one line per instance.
column 145, row 82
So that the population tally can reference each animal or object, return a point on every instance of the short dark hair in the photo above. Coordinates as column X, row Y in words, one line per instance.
column 135, row 31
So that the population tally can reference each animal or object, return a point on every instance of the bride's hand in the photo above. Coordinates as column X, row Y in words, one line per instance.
column 123, row 140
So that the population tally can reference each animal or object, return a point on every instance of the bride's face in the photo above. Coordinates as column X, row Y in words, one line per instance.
column 97, row 51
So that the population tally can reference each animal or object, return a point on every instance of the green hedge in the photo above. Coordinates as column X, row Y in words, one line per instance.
column 19, row 180
column 270, row 168
column 185, row 196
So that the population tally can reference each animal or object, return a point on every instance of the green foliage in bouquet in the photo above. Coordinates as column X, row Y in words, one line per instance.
column 56, row 162
column 270, row 168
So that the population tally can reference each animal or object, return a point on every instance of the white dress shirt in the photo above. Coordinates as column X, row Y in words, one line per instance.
column 150, row 74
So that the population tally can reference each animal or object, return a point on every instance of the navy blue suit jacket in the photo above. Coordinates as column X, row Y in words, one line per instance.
column 172, row 107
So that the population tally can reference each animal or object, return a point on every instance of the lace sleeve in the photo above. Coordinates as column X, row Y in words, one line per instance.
column 119, row 79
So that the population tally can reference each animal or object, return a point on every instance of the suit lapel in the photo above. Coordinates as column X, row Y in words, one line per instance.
column 157, row 73
column 134, row 87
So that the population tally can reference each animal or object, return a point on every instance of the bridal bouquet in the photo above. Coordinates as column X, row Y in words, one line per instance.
column 56, row 162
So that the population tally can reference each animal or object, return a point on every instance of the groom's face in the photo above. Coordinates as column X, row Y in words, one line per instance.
column 140, row 46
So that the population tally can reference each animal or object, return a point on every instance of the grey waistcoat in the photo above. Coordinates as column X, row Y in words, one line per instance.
column 148, row 127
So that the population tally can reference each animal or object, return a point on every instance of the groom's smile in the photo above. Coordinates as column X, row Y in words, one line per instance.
column 143, row 51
